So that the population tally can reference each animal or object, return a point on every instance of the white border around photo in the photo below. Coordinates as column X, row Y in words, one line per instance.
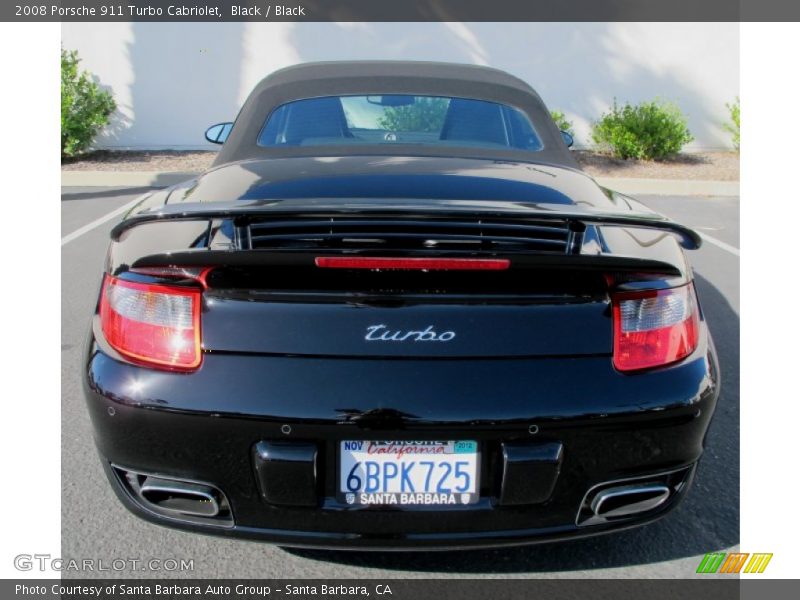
column 770, row 405
column 30, row 435
column 30, row 438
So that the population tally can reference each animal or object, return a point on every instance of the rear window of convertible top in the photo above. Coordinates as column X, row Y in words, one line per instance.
column 398, row 119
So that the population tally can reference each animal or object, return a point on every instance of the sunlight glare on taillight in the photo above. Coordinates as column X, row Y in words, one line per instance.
column 654, row 328
column 150, row 323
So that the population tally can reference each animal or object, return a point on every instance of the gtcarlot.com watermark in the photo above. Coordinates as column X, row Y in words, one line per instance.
column 46, row 562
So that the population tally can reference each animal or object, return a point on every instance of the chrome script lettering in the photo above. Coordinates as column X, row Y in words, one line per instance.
column 381, row 333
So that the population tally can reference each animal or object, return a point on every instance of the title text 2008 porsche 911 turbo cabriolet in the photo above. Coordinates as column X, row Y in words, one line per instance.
column 395, row 314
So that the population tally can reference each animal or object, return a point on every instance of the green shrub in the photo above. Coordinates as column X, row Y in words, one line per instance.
column 650, row 130
column 85, row 108
column 732, row 126
column 561, row 122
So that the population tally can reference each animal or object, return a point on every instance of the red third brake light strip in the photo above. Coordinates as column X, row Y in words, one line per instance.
column 413, row 264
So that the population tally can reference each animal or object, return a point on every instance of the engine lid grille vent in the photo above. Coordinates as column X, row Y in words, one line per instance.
column 411, row 234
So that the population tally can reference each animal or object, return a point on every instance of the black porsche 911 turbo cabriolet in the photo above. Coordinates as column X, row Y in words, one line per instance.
column 396, row 314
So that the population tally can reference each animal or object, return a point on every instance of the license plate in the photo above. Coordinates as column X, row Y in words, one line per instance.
column 407, row 473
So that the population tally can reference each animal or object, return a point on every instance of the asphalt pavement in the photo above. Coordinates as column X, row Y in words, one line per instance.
column 95, row 526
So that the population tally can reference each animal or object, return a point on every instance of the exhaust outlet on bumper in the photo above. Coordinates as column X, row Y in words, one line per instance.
column 181, row 500
column 180, row 497
column 629, row 500
column 638, row 497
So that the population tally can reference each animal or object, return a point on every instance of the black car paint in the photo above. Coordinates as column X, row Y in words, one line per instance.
column 203, row 426
column 286, row 360
column 368, row 176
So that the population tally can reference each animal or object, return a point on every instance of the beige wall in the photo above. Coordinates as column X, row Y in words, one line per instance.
column 171, row 80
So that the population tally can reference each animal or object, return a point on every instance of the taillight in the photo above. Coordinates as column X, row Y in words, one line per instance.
column 154, row 324
column 654, row 328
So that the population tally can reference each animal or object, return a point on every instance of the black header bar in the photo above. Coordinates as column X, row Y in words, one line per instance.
column 381, row 589
column 401, row 10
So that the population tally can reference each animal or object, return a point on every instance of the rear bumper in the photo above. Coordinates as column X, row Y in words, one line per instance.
column 204, row 427
column 290, row 531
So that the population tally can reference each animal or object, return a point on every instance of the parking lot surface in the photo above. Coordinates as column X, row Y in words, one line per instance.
column 96, row 526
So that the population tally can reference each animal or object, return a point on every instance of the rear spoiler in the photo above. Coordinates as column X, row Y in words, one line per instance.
column 306, row 258
column 575, row 215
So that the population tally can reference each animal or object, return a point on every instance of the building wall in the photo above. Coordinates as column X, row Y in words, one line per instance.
column 172, row 80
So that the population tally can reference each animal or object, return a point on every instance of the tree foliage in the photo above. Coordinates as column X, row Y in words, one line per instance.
column 732, row 126
column 425, row 115
column 561, row 122
column 650, row 130
column 85, row 108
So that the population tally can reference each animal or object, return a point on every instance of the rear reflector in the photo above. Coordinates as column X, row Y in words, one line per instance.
column 413, row 264
column 154, row 324
column 654, row 328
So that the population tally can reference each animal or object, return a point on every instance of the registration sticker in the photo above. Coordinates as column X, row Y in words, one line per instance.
column 408, row 472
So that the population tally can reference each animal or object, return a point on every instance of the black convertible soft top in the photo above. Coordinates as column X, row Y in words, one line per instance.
column 313, row 80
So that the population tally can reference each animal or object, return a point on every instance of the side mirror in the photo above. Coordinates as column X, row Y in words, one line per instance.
column 217, row 134
column 568, row 140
